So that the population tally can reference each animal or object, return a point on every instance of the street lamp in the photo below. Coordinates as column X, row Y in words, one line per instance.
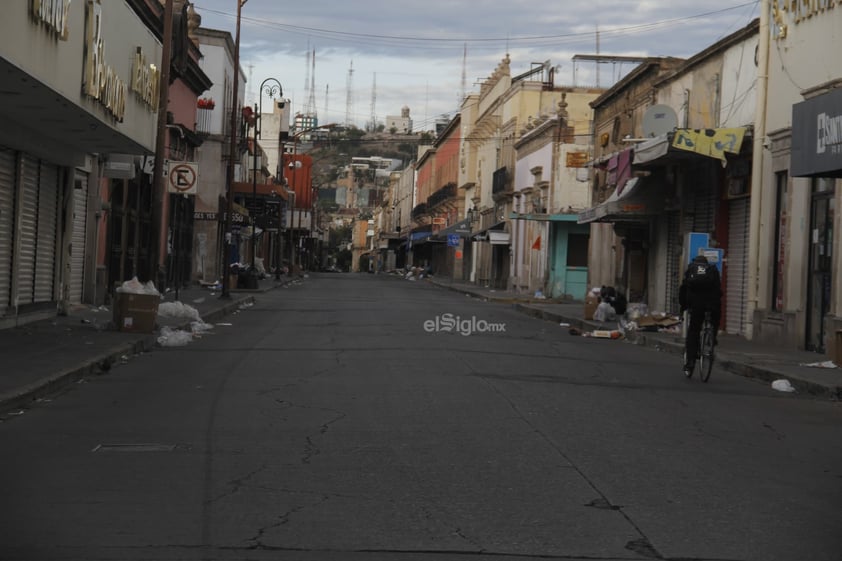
column 294, row 164
column 270, row 87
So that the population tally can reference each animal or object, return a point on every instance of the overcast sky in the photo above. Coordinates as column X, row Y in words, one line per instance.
column 415, row 50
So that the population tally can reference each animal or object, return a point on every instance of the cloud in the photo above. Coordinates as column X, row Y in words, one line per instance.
column 417, row 49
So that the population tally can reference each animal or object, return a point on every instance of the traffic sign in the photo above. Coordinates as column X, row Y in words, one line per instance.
column 183, row 178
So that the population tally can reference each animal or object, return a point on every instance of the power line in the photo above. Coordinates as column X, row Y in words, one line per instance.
column 426, row 42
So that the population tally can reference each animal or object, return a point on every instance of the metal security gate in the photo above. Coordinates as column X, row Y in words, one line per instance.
column 45, row 256
column 27, row 230
column 736, row 265
column 7, row 234
column 77, row 248
column 37, row 230
column 674, row 269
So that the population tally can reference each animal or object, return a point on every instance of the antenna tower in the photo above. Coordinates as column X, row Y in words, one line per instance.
column 311, row 103
column 307, row 81
column 251, row 84
column 349, row 95
column 373, row 103
column 464, row 72
column 327, row 96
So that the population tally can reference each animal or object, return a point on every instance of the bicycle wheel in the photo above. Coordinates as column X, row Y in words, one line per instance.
column 706, row 352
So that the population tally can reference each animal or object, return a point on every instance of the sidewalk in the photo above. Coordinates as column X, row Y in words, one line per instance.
column 733, row 354
column 43, row 357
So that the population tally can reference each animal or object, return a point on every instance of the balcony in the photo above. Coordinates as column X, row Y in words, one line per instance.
column 441, row 196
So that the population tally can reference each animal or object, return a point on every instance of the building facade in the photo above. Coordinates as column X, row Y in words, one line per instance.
column 82, row 106
column 795, row 226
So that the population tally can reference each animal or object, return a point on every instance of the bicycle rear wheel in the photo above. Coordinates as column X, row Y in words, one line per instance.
column 706, row 352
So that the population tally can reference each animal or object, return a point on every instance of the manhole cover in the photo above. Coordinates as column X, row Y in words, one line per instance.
column 134, row 448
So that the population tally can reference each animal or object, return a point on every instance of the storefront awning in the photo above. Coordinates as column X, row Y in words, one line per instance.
column 638, row 200
column 572, row 217
column 684, row 144
column 462, row 229
column 485, row 234
column 817, row 136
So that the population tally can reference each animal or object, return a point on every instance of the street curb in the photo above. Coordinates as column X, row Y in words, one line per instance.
column 101, row 364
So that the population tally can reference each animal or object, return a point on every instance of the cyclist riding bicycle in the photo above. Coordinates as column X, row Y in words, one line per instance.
column 700, row 291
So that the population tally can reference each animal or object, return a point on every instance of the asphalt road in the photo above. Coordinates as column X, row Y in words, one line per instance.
column 328, row 423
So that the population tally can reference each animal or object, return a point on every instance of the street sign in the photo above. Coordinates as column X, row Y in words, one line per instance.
column 183, row 178
column 453, row 240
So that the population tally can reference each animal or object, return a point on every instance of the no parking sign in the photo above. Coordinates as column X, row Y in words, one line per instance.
column 183, row 178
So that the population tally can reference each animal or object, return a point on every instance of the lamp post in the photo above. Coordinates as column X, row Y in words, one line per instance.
column 294, row 164
column 270, row 87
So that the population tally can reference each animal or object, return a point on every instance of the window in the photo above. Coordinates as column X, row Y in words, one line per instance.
column 577, row 250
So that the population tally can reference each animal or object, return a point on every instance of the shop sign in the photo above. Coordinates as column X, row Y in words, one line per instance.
column 101, row 81
column 54, row 15
column 146, row 79
column 785, row 12
column 577, row 159
column 817, row 136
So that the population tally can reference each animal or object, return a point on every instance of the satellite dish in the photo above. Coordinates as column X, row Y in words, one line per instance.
column 658, row 120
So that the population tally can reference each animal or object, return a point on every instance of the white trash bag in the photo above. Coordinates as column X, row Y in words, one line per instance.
column 782, row 386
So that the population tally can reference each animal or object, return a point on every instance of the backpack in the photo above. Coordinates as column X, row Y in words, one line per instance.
column 701, row 276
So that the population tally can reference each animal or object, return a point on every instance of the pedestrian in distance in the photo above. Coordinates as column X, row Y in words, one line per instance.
column 700, row 291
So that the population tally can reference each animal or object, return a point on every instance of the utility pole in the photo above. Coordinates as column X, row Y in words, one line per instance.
column 158, row 241
column 755, row 211
column 226, row 284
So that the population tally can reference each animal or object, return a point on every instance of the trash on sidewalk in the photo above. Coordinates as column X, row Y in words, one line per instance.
column 825, row 364
column 178, row 310
column 782, row 386
column 574, row 331
column 136, row 307
column 603, row 334
column 174, row 337
column 604, row 312
column 563, row 324
column 198, row 300
column 200, row 326
column 224, row 324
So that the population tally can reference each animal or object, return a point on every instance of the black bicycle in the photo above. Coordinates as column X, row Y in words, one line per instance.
column 706, row 350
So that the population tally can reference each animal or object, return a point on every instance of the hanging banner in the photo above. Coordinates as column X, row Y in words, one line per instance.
column 710, row 142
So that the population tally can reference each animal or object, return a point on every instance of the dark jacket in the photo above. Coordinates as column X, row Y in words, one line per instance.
column 699, row 298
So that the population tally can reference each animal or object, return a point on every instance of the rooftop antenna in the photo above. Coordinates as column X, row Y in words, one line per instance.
column 597, row 54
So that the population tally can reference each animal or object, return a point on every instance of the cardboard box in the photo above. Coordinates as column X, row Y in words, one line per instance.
column 591, row 303
column 135, row 313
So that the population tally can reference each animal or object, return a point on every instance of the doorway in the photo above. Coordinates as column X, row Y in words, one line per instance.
column 820, row 275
